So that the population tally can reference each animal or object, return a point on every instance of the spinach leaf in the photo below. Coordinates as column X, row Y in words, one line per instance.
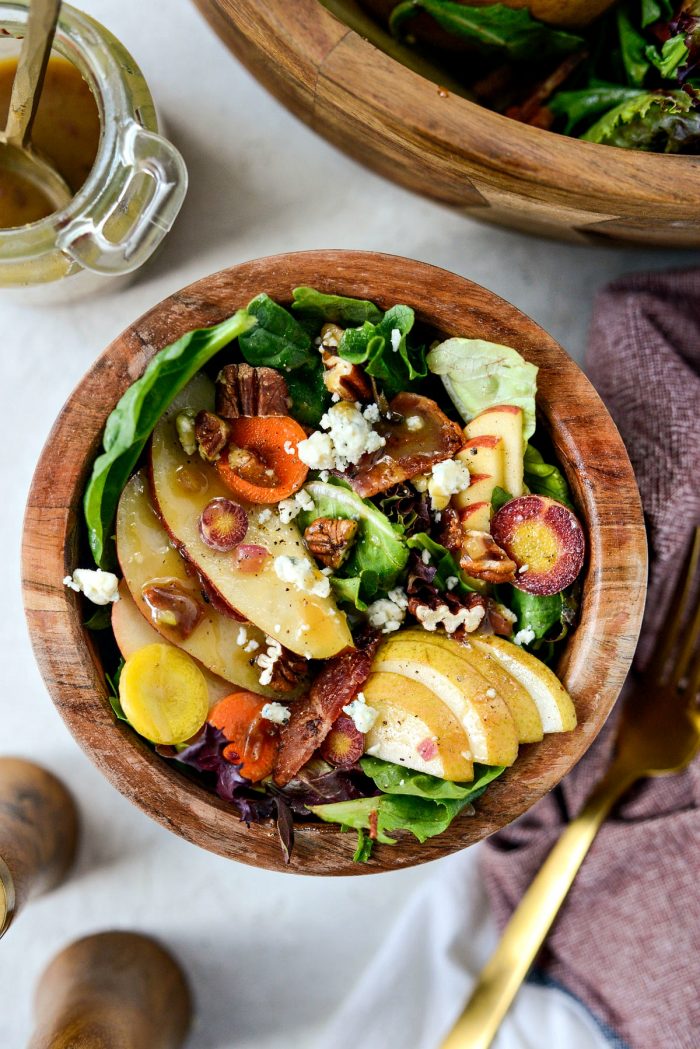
column 308, row 393
column 672, row 56
column 539, row 614
column 494, row 29
column 442, row 560
column 395, row 779
column 277, row 340
column 544, row 479
column 654, row 122
column 499, row 498
column 385, row 356
column 336, row 308
column 633, row 48
column 379, row 553
column 280, row 341
column 113, row 692
column 589, row 102
column 131, row 423
column 101, row 619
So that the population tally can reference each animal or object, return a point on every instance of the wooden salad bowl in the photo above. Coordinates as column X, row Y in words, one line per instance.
column 595, row 660
column 345, row 77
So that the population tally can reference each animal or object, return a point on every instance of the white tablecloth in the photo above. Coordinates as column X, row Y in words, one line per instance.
column 271, row 956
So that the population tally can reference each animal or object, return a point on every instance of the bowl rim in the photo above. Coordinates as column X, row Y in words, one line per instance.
column 588, row 446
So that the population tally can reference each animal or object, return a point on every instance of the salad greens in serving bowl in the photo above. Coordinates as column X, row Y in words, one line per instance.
column 334, row 573
column 631, row 78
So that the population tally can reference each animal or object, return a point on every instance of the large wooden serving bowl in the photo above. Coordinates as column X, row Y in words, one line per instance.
column 403, row 124
column 597, row 656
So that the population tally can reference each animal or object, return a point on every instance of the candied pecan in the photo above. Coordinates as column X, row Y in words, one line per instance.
column 482, row 558
column 329, row 539
column 211, row 433
column 451, row 531
column 249, row 466
column 287, row 671
column 331, row 334
column 244, row 390
column 347, row 381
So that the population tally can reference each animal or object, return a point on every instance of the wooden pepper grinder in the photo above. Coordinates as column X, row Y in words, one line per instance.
column 38, row 834
column 113, row 990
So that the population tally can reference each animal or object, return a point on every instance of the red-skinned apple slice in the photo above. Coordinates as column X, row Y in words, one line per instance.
column 147, row 556
column 545, row 540
column 305, row 622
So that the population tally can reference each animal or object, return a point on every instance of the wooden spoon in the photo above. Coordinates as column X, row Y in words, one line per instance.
column 113, row 990
column 38, row 834
column 15, row 154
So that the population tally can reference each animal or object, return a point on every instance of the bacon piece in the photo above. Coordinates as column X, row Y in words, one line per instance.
column 340, row 680
column 410, row 449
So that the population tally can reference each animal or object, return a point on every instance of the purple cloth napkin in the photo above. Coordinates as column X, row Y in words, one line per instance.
column 627, row 941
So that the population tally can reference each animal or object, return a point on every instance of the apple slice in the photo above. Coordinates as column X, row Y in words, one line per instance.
column 132, row 632
column 305, row 622
column 555, row 706
column 520, row 703
column 476, row 518
column 545, row 540
column 485, row 459
column 504, row 421
column 416, row 729
column 147, row 556
column 440, row 666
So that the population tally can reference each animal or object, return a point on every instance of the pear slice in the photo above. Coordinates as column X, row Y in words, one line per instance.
column 553, row 702
column 132, row 632
column 182, row 486
column 146, row 555
column 439, row 666
column 416, row 729
column 520, row 703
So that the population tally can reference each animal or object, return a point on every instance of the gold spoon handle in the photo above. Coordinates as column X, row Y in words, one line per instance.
column 29, row 78
column 527, row 929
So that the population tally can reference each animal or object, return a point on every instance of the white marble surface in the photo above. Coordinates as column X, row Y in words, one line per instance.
column 270, row 955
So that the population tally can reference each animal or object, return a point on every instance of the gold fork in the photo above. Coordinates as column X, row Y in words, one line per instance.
column 658, row 735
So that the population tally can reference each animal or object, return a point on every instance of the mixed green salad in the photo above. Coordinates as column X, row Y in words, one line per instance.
column 331, row 568
column 630, row 79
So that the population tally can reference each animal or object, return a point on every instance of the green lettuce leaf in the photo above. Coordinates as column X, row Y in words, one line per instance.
column 379, row 553
column 590, row 102
column 395, row 368
column 544, row 479
column 279, row 341
column 337, row 309
column 421, row 804
column 479, row 374
column 395, row 779
column 659, row 123
column 494, row 29
column 132, row 421
column 672, row 56
column 442, row 560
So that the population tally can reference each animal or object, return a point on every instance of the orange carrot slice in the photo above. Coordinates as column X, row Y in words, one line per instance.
column 253, row 741
column 275, row 471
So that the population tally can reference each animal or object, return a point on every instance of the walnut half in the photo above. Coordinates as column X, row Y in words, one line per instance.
column 288, row 670
column 329, row 539
column 345, row 380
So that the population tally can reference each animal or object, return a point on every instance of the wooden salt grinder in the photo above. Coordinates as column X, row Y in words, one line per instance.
column 113, row 990
column 38, row 834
